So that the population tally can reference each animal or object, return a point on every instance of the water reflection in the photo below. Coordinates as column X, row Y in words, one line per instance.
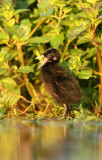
column 50, row 140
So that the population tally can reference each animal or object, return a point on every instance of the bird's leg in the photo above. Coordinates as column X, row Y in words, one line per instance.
column 66, row 112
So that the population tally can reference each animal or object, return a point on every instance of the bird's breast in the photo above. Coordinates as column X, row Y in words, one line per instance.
column 47, row 78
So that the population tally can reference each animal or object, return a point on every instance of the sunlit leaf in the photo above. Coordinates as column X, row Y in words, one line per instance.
column 81, row 14
column 67, row 10
column 92, row 1
column 85, row 74
column 100, row 17
column 21, row 32
column 20, row 11
column 11, row 22
column 82, row 40
column 25, row 69
column 91, row 53
column 57, row 40
column 88, row 12
column 11, row 30
column 76, row 32
column 38, row 40
column 4, row 36
column 43, row 4
column 3, row 71
column 50, row 11
column 9, row 86
column 2, row 110
column 26, row 28
column 72, row 63
column 97, row 6
column 97, row 40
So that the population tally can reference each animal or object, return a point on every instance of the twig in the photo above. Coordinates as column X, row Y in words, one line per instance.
column 27, row 108
column 94, row 71
column 35, row 29
column 2, row 30
column 94, row 107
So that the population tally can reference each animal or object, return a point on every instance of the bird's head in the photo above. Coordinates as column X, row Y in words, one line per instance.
column 50, row 56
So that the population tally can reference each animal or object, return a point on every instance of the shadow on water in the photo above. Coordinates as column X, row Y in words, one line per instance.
column 50, row 140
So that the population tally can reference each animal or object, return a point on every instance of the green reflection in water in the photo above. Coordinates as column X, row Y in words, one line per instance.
column 50, row 140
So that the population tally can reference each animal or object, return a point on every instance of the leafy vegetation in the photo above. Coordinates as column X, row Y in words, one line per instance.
column 27, row 29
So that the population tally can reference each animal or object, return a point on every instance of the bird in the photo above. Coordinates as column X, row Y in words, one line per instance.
column 58, row 82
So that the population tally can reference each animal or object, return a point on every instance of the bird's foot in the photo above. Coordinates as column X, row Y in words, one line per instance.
column 67, row 112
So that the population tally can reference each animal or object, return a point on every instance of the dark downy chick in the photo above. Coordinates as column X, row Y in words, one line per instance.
column 61, row 85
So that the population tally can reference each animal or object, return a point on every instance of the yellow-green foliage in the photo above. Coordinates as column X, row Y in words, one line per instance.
column 27, row 29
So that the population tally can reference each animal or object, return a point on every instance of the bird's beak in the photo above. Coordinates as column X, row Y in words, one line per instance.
column 43, row 61
column 42, row 56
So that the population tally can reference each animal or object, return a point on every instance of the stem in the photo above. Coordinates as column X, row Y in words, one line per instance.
column 99, row 63
column 94, row 107
column 2, row 30
column 28, row 85
column 14, row 71
column 66, row 47
column 80, row 1
column 10, row 42
column 59, row 18
column 35, row 28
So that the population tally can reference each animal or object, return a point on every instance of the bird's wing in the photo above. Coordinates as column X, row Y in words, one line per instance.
column 64, row 82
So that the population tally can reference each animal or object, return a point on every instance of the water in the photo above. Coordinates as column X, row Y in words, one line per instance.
column 50, row 140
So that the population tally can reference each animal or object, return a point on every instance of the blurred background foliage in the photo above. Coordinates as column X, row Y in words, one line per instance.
column 27, row 29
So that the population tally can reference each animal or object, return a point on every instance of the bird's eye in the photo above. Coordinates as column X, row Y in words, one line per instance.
column 54, row 58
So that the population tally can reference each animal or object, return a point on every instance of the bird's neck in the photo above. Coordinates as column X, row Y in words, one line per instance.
column 49, row 67
column 51, row 64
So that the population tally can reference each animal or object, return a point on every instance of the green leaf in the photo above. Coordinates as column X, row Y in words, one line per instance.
column 64, row 64
column 43, row 4
column 88, row 12
column 100, row 17
column 5, row 97
column 57, row 40
column 91, row 53
column 97, row 40
column 11, row 22
column 2, row 110
column 92, row 1
column 20, row 11
column 72, row 63
column 25, row 69
column 23, row 3
column 67, row 10
column 26, row 28
column 38, row 40
column 4, row 37
column 49, row 12
column 76, row 32
column 82, row 40
column 85, row 74
column 81, row 15
column 97, row 7
column 14, row 67
column 3, row 71
column 20, row 32
column 11, row 30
